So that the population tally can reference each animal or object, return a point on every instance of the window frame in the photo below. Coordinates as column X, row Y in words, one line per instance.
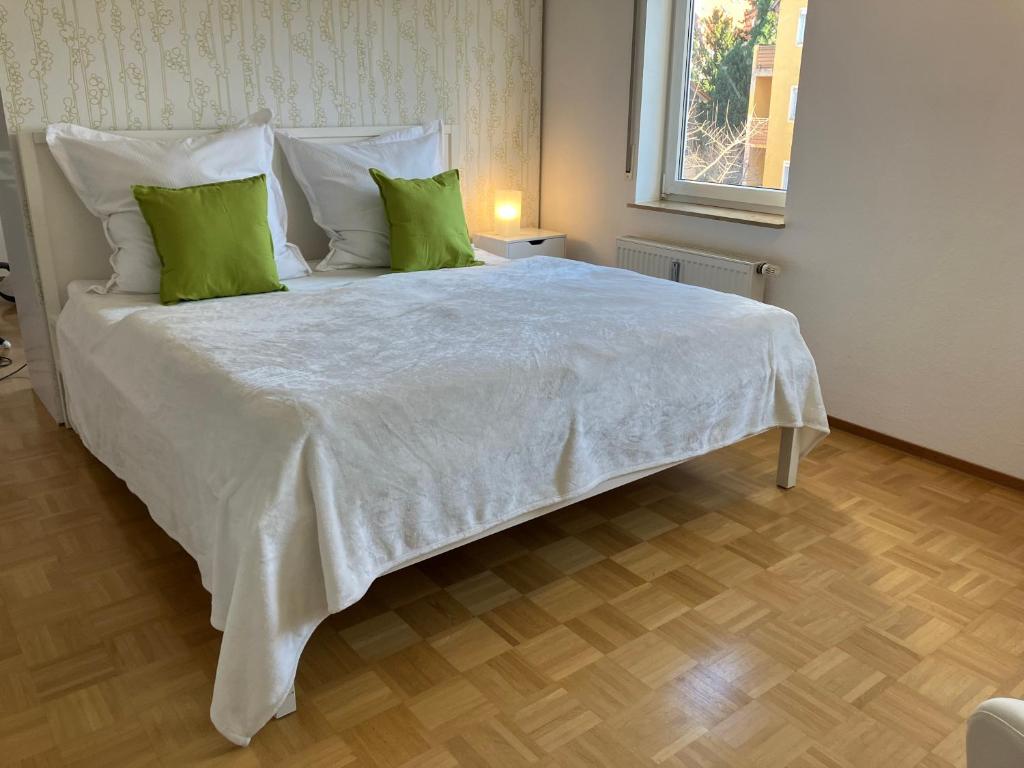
column 763, row 199
column 794, row 97
column 801, row 27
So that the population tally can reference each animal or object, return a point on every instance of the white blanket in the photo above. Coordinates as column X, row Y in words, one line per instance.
column 299, row 445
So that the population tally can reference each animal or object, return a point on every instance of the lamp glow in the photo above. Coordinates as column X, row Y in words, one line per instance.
column 508, row 211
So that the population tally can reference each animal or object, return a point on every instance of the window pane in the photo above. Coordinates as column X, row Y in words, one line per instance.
column 744, row 67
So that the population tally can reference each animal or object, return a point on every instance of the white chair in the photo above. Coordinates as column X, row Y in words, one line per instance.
column 995, row 735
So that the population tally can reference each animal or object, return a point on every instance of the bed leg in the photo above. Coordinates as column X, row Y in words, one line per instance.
column 789, row 458
column 289, row 705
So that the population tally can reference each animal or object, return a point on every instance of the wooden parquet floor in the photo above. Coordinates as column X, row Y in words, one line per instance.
column 700, row 617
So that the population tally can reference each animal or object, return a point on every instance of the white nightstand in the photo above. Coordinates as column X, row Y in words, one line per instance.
column 526, row 242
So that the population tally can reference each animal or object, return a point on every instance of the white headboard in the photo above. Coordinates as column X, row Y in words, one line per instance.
column 69, row 241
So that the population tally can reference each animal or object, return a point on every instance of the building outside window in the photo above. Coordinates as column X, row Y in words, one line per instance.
column 735, row 75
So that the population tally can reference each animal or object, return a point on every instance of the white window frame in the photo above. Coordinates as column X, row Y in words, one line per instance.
column 674, row 188
column 794, row 91
column 801, row 27
column 785, row 174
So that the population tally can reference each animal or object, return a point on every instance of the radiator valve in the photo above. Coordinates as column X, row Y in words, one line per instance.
column 769, row 270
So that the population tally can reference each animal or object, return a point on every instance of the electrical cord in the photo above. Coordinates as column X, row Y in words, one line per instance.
column 5, row 361
column 12, row 373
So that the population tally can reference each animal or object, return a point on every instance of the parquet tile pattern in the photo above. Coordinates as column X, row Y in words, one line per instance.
column 700, row 617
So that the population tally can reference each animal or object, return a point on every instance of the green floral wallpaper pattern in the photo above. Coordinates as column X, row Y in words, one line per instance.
column 142, row 64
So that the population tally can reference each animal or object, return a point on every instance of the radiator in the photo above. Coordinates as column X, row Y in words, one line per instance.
column 693, row 267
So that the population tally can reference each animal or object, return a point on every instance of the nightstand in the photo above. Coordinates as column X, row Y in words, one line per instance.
column 526, row 242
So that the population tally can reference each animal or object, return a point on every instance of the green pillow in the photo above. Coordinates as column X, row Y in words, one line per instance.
column 428, row 226
column 213, row 239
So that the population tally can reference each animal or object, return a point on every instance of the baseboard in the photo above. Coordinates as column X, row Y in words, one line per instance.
column 1017, row 483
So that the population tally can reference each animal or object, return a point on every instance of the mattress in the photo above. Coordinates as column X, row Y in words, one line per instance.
column 116, row 305
column 300, row 444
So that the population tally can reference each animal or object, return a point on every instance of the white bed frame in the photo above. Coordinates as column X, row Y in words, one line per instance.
column 70, row 245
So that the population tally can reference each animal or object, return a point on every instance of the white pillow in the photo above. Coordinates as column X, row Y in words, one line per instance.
column 102, row 167
column 345, row 201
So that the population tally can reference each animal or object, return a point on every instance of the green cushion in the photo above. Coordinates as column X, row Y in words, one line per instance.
column 213, row 239
column 428, row 225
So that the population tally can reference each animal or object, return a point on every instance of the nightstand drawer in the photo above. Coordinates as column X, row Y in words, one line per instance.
column 524, row 243
column 548, row 246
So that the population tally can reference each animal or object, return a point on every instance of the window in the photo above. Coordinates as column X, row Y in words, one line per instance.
column 732, row 103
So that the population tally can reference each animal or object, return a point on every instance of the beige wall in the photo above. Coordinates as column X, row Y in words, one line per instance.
column 902, row 256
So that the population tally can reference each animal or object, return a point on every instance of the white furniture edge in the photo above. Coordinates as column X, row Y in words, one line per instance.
column 995, row 734
column 62, row 257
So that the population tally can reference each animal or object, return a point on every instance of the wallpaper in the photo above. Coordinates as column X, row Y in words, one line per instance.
column 141, row 64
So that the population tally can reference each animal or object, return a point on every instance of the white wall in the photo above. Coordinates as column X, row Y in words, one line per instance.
column 902, row 253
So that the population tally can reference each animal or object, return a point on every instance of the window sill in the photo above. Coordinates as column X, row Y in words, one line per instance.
column 718, row 213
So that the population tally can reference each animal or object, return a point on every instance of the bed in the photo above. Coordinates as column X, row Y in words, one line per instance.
column 299, row 445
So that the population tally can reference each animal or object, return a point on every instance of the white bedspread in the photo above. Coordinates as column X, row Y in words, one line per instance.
column 301, row 444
